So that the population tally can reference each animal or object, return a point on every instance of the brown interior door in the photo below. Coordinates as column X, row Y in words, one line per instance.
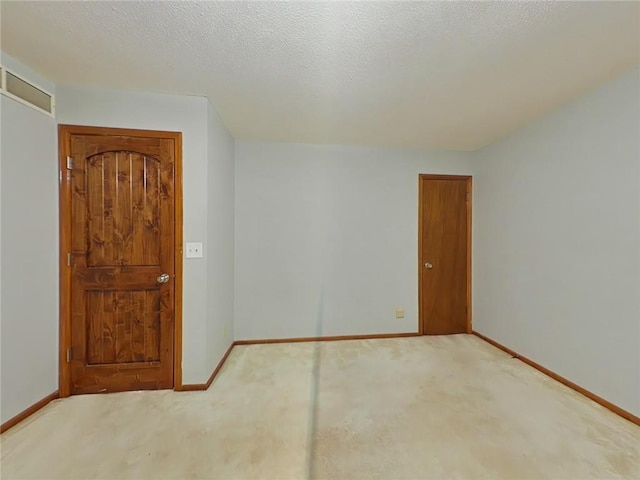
column 122, row 259
column 445, row 254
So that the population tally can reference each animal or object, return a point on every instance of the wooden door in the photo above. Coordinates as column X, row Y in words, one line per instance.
column 445, row 254
column 121, row 259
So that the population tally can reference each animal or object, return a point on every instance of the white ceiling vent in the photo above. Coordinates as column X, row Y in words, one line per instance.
column 26, row 92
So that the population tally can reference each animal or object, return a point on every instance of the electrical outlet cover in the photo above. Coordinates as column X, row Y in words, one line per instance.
column 194, row 250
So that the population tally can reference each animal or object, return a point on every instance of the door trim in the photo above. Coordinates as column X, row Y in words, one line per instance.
column 64, row 148
column 423, row 177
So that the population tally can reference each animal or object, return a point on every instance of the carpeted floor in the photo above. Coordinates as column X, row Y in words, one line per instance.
column 408, row 408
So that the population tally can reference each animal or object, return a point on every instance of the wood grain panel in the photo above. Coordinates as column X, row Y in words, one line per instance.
column 105, row 208
column 79, row 198
column 150, row 238
column 122, row 218
column 95, row 330
column 152, row 328
column 93, row 242
column 121, row 320
column 138, row 170
column 138, row 318
column 123, row 209
column 444, row 243
column 103, row 309
column 123, row 326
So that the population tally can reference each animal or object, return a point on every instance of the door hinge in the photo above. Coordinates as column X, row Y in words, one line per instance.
column 467, row 196
column 69, row 354
column 69, row 260
column 69, row 163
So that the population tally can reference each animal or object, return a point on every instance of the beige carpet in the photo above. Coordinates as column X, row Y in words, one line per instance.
column 409, row 408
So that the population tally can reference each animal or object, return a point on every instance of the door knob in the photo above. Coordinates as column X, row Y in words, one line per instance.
column 164, row 278
column 428, row 265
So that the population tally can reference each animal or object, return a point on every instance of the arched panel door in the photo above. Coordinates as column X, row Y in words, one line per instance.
column 123, row 266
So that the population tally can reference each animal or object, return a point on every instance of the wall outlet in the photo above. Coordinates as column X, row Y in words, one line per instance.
column 399, row 312
column 194, row 250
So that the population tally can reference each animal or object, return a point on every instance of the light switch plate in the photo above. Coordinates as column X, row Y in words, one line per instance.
column 194, row 250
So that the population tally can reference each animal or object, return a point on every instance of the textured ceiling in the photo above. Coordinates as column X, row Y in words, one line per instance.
column 454, row 75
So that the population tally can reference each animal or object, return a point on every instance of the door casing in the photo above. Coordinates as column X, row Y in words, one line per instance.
column 65, row 133
column 423, row 178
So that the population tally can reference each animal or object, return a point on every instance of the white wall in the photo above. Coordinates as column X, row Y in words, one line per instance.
column 220, row 225
column 327, row 238
column 113, row 108
column 557, row 242
column 28, row 251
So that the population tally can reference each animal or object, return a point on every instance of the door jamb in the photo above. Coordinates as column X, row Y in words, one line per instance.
column 423, row 177
column 64, row 211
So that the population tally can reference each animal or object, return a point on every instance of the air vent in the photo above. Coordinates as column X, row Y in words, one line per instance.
column 25, row 92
